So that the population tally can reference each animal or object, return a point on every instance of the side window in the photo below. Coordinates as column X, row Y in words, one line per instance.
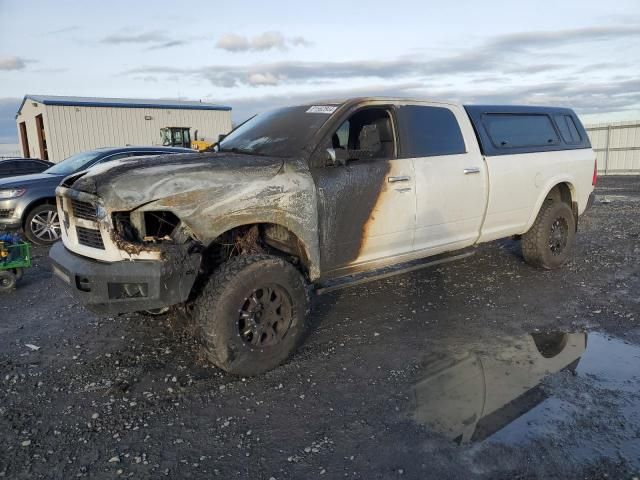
column 33, row 167
column 429, row 131
column 9, row 168
column 568, row 129
column 518, row 130
column 367, row 134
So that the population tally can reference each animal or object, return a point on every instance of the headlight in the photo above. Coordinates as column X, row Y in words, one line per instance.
column 12, row 193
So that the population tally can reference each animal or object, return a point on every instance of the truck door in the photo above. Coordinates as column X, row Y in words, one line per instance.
column 451, row 178
column 366, row 199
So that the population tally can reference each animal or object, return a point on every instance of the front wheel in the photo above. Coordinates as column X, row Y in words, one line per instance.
column 549, row 241
column 42, row 226
column 252, row 314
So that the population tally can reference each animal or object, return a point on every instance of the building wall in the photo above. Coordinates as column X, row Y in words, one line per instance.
column 28, row 114
column 75, row 129
column 617, row 146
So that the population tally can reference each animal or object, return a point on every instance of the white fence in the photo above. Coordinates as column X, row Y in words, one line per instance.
column 617, row 146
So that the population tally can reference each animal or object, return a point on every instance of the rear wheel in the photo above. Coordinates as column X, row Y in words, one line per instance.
column 42, row 226
column 7, row 280
column 252, row 314
column 549, row 241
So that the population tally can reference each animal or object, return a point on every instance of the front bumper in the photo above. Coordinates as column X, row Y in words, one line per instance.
column 127, row 286
column 10, row 212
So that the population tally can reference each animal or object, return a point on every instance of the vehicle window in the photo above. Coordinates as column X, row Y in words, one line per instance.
column 8, row 168
column 119, row 156
column 367, row 134
column 517, row 130
column 429, row 131
column 74, row 163
column 568, row 129
column 283, row 132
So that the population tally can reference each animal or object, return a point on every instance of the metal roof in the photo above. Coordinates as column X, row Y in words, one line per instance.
column 122, row 103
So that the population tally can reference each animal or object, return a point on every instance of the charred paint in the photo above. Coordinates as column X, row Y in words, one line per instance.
column 347, row 196
column 210, row 193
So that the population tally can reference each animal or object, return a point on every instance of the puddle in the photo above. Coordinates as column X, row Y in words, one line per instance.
column 582, row 390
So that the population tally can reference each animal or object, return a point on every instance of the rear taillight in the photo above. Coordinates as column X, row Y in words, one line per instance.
column 595, row 173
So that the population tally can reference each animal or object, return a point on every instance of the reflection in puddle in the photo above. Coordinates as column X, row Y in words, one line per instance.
column 493, row 389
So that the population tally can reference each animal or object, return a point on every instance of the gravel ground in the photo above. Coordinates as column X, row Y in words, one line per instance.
column 434, row 374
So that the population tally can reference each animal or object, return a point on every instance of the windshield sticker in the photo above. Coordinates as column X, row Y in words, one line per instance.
column 327, row 109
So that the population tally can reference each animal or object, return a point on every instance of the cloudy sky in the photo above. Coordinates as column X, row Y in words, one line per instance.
column 254, row 55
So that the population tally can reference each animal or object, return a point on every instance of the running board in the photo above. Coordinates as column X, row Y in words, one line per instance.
column 400, row 269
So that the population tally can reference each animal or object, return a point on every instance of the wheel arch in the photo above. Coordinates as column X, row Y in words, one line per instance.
column 562, row 189
column 279, row 236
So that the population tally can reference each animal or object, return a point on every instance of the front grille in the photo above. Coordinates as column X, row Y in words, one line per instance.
column 89, row 237
column 6, row 213
column 84, row 210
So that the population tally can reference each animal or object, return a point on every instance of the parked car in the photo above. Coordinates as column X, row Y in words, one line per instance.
column 13, row 167
column 28, row 202
column 318, row 196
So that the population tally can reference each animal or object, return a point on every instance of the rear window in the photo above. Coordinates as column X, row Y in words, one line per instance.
column 429, row 131
column 568, row 129
column 518, row 130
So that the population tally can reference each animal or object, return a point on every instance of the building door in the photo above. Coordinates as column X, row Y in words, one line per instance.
column 42, row 139
column 25, row 140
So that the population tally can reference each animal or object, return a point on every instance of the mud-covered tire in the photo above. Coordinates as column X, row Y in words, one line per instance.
column 7, row 281
column 223, row 314
column 549, row 242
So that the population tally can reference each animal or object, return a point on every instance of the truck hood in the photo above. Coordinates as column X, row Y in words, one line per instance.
column 131, row 182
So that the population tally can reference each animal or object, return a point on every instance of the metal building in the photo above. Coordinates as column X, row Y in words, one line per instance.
column 53, row 127
column 617, row 146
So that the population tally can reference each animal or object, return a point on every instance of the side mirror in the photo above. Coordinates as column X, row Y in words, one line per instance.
column 336, row 157
column 221, row 137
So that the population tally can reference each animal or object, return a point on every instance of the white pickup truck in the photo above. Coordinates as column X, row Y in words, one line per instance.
column 312, row 197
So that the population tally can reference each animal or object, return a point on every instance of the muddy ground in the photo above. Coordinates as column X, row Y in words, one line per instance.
column 448, row 372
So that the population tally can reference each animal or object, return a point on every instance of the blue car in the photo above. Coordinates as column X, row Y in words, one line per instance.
column 28, row 202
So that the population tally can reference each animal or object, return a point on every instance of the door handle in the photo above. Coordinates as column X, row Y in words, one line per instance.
column 470, row 170
column 402, row 178
column 403, row 190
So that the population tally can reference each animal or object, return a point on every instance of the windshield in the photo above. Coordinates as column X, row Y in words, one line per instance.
column 279, row 133
column 74, row 163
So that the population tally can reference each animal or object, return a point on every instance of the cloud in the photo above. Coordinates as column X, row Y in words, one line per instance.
column 541, row 39
column 154, row 39
column 11, row 62
column 268, row 40
column 295, row 72
column 272, row 40
column 300, row 42
column 233, row 43
column 143, row 37
column 510, row 54
column 168, row 44
column 59, row 31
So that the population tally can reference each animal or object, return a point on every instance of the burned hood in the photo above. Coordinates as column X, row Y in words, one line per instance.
column 132, row 182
